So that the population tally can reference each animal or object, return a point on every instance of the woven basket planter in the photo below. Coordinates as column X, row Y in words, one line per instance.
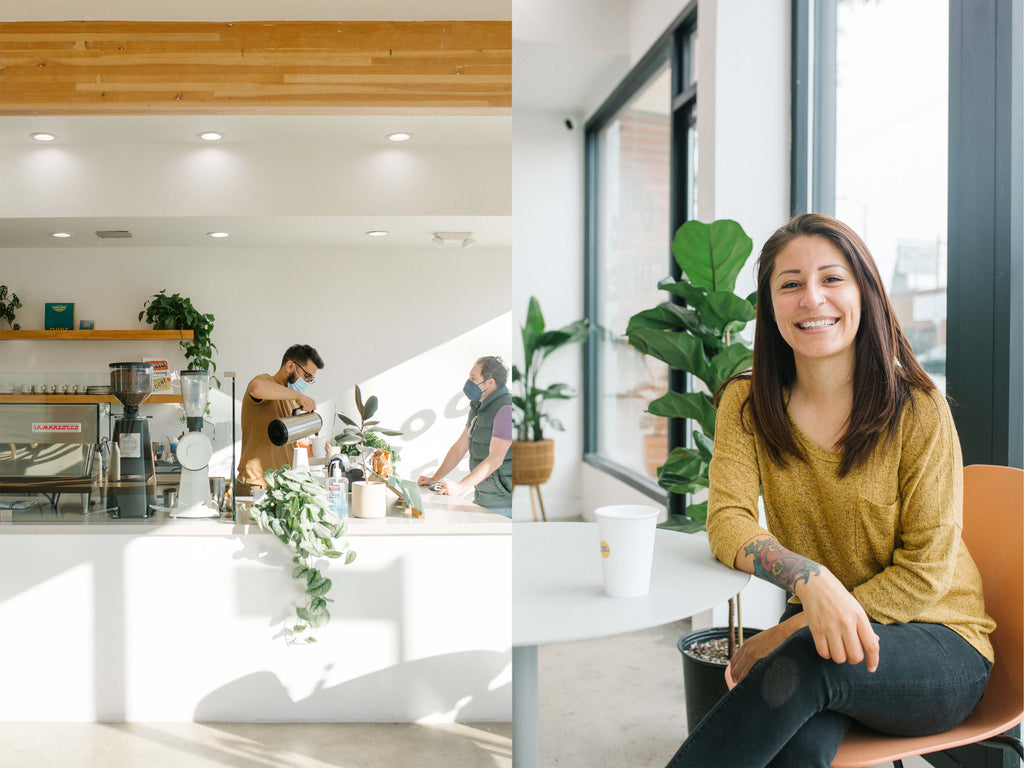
column 532, row 462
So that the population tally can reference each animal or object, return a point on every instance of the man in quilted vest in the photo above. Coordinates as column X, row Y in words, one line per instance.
column 486, row 438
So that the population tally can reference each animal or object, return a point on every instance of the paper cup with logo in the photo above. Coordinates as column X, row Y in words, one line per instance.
column 627, row 547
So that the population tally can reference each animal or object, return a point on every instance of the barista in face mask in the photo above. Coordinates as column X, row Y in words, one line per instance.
column 269, row 397
column 486, row 438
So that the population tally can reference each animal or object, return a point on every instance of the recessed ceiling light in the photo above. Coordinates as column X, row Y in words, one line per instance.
column 218, row 234
column 43, row 136
column 399, row 136
column 60, row 234
column 376, row 233
column 211, row 136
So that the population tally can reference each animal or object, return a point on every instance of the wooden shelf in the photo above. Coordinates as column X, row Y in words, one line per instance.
column 138, row 335
column 84, row 399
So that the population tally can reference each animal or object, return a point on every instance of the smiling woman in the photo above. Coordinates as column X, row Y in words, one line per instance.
column 843, row 436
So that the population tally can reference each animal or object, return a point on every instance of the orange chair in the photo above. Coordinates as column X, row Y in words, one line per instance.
column 994, row 533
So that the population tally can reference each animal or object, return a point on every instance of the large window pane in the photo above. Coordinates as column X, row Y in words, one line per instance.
column 632, row 254
column 891, row 151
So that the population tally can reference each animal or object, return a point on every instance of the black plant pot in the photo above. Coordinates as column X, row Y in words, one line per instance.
column 703, row 681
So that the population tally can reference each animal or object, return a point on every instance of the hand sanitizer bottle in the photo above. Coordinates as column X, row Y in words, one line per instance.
column 336, row 487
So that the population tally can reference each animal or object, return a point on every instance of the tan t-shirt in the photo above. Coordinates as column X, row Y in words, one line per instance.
column 258, row 453
column 889, row 530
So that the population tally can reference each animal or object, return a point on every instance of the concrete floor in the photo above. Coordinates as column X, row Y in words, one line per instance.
column 254, row 745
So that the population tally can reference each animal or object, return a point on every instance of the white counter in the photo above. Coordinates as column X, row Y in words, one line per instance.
column 444, row 515
column 171, row 620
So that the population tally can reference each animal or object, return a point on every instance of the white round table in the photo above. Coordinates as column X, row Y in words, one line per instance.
column 558, row 597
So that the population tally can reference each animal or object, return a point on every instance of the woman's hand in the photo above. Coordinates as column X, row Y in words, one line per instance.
column 840, row 627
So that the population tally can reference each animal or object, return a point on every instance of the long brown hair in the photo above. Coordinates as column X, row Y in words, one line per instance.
column 880, row 385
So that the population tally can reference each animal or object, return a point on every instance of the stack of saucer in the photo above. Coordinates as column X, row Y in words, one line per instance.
column 6, row 389
column 98, row 389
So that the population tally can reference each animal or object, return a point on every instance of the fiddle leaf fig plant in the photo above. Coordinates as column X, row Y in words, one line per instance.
column 363, row 436
column 176, row 313
column 700, row 337
column 295, row 510
column 538, row 343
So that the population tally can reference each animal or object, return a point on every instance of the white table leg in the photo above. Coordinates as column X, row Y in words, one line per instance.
column 525, row 707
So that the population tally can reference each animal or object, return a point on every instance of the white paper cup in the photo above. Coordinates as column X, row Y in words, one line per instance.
column 300, row 458
column 627, row 548
column 319, row 447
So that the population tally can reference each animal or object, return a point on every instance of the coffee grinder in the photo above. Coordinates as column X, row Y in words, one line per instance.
column 195, row 450
column 135, row 492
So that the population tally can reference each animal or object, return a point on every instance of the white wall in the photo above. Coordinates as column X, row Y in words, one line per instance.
column 548, row 264
column 366, row 312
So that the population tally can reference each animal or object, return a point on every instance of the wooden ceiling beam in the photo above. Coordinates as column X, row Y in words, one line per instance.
column 271, row 67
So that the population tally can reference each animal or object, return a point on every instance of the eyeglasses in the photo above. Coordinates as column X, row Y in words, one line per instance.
column 310, row 379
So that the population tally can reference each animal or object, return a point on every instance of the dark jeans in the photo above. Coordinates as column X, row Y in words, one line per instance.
column 794, row 707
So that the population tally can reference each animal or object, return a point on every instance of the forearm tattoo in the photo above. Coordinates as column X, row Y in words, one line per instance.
column 774, row 563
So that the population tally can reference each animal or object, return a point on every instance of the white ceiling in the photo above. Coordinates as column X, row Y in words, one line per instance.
column 254, row 231
column 284, row 231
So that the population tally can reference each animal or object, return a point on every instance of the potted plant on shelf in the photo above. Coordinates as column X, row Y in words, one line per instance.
column 8, row 306
column 369, row 498
column 701, row 338
column 176, row 313
column 295, row 510
column 533, row 456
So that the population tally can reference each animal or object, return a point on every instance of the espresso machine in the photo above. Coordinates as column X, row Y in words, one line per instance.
column 195, row 450
column 133, row 494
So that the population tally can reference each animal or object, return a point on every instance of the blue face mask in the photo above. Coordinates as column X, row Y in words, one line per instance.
column 300, row 385
column 472, row 390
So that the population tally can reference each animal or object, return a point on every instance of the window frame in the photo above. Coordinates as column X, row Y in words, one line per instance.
column 674, row 47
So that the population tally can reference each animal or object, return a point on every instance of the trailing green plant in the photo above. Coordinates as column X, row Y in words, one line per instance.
column 295, row 510
column 702, row 339
column 364, row 438
column 176, row 313
column 8, row 306
column 538, row 343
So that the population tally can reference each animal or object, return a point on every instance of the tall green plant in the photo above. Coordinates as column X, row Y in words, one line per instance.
column 363, row 435
column 701, row 339
column 538, row 343
column 176, row 313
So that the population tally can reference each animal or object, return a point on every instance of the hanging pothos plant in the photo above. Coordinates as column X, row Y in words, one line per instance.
column 295, row 510
column 176, row 313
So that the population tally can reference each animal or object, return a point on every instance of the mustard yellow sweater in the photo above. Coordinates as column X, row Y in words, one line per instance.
column 889, row 530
